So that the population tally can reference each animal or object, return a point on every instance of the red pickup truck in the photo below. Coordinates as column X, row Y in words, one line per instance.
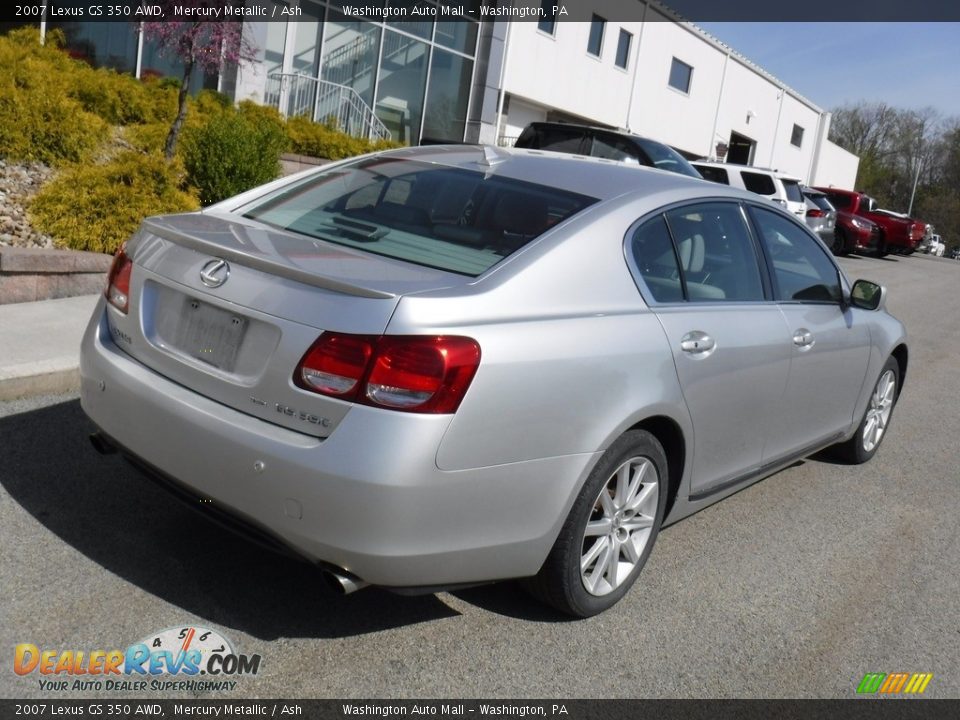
column 898, row 233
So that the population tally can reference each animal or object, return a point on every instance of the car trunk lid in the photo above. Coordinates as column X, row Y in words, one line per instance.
column 228, row 306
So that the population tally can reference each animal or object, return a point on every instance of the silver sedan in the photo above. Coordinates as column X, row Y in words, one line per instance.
column 436, row 367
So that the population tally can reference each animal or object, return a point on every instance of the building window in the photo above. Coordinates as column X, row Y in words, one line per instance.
column 796, row 137
column 680, row 76
column 595, row 43
column 548, row 18
column 623, row 49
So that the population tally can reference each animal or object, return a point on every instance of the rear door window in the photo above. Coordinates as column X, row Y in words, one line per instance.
column 699, row 253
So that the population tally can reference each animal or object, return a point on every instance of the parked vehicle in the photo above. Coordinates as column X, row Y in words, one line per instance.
column 955, row 253
column 603, row 143
column 783, row 189
column 439, row 366
column 936, row 246
column 899, row 234
column 821, row 217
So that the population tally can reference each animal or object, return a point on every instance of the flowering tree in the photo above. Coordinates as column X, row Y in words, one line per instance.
column 208, row 45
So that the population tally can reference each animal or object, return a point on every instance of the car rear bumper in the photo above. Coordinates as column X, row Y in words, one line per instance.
column 369, row 499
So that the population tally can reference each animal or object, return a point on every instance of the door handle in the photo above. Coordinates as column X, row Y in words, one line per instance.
column 697, row 343
column 803, row 339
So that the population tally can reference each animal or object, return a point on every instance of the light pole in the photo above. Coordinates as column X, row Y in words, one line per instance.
column 913, row 192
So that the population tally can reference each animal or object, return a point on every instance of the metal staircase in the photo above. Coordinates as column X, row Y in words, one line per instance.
column 324, row 101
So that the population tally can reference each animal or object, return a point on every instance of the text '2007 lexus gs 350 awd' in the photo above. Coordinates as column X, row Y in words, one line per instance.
column 427, row 368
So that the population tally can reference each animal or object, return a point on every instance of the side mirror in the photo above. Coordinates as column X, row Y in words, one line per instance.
column 867, row 295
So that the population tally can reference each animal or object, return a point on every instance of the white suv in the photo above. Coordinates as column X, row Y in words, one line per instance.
column 779, row 187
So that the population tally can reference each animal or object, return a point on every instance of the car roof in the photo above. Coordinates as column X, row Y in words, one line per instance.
column 594, row 177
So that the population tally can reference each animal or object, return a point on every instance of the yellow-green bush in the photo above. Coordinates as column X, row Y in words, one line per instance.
column 39, row 120
column 230, row 153
column 97, row 207
column 147, row 138
column 317, row 140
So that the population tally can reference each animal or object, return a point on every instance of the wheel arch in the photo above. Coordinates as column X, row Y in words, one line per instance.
column 901, row 354
column 670, row 436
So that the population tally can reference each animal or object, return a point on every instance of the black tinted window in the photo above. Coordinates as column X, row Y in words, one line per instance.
column 758, row 183
column 556, row 139
column 713, row 174
column 802, row 269
column 839, row 201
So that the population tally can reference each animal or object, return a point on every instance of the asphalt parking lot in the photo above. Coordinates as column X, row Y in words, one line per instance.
column 795, row 587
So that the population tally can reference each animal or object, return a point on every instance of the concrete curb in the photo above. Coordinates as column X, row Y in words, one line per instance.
column 40, row 346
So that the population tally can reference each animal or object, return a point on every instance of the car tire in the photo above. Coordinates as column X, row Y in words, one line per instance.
column 839, row 244
column 610, row 531
column 876, row 419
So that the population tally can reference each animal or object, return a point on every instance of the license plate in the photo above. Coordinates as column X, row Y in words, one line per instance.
column 210, row 334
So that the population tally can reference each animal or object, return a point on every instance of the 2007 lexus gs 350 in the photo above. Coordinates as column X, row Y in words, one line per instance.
column 441, row 366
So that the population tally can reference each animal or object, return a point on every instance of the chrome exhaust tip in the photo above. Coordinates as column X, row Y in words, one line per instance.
column 343, row 582
column 101, row 444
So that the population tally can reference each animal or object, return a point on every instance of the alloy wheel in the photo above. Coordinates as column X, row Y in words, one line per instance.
column 878, row 414
column 620, row 526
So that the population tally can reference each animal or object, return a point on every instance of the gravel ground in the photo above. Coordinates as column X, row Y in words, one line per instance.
column 18, row 183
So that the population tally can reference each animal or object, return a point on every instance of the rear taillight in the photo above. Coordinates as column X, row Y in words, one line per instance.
column 423, row 374
column 814, row 212
column 335, row 364
column 117, row 291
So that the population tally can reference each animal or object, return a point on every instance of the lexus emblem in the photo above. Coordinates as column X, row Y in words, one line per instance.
column 215, row 273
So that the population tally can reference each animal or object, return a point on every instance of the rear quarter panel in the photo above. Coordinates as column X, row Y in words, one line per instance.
column 570, row 355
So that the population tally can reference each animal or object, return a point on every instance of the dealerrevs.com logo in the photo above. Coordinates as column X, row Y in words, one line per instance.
column 170, row 660
column 894, row 683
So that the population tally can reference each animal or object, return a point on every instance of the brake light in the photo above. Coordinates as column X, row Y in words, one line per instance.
column 335, row 364
column 117, row 291
column 815, row 212
column 423, row 374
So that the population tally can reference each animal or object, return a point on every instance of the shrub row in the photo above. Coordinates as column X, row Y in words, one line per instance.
column 324, row 141
column 97, row 207
column 60, row 111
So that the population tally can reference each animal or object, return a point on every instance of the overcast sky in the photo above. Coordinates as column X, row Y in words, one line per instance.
column 906, row 65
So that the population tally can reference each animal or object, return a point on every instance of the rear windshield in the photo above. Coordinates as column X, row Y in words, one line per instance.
column 793, row 190
column 820, row 201
column 840, row 201
column 447, row 218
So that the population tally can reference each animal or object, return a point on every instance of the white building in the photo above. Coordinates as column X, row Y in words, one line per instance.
column 482, row 80
column 666, row 80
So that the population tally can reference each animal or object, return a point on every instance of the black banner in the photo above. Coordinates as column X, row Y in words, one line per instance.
column 853, row 709
column 32, row 11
